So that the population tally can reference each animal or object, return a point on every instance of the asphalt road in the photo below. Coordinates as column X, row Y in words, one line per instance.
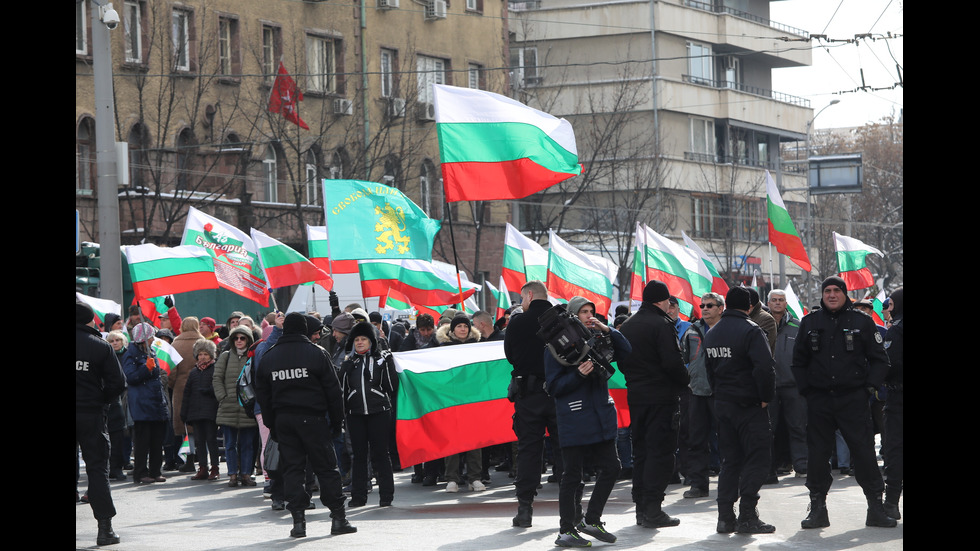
column 185, row 515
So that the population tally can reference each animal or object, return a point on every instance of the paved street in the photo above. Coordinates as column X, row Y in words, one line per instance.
column 185, row 515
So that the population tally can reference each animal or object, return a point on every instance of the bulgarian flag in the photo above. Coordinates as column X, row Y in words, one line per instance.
column 502, row 296
column 852, row 261
column 185, row 448
column 101, row 306
column 167, row 355
column 395, row 300
column 572, row 272
column 878, row 305
column 316, row 242
column 284, row 266
column 158, row 271
column 493, row 147
column 793, row 303
column 236, row 262
column 638, row 276
column 718, row 284
column 680, row 268
column 524, row 259
column 782, row 233
column 422, row 282
column 152, row 309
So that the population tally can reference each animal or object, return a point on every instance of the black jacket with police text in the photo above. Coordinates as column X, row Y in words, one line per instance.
column 738, row 360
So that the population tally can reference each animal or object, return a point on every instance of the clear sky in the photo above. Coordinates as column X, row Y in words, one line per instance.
column 837, row 65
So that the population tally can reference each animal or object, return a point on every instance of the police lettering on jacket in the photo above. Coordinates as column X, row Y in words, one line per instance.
column 285, row 374
column 718, row 352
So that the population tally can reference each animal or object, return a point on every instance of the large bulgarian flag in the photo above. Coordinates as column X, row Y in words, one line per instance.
column 158, row 271
column 284, row 266
column 782, row 232
column 167, row 355
column 718, row 284
column 572, row 272
column 236, row 261
column 852, row 261
column 423, row 282
column 680, row 268
column 493, row 147
column 452, row 400
column 319, row 249
column 524, row 259
column 102, row 306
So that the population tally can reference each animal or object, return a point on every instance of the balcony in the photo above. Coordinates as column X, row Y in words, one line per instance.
column 754, row 90
column 711, row 7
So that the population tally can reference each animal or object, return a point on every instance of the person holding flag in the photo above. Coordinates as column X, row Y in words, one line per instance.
column 147, row 404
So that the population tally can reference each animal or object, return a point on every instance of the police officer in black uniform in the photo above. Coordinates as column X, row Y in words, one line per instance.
column 534, row 409
column 894, row 437
column 99, row 381
column 741, row 372
column 838, row 363
column 299, row 393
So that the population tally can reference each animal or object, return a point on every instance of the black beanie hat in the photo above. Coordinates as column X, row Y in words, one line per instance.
column 295, row 323
column 655, row 291
column 312, row 325
column 458, row 319
column 753, row 296
column 898, row 297
column 833, row 280
column 738, row 298
column 83, row 313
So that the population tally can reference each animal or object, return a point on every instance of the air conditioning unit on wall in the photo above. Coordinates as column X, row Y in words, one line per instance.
column 387, row 4
column 343, row 107
column 396, row 108
column 435, row 9
column 426, row 112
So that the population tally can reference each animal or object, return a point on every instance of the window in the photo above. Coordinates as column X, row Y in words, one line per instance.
column 180, row 39
column 185, row 151
column 270, row 175
column 85, row 156
column 322, row 54
column 391, row 175
column 749, row 219
column 312, row 182
column 475, row 74
column 228, row 46
column 138, row 144
column 271, row 52
column 133, row 34
column 732, row 67
column 703, row 139
column 474, row 5
column 337, row 166
column 81, row 28
column 431, row 71
column 524, row 67
column 430, row 190
column 706, row 213
column 389, row 61
column 699, row 63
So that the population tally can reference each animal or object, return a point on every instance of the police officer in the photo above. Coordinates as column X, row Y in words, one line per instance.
column 655, row 378
column 742, row 376
column 894, row 437
column 838, row 362
column 587, row 425
column 299, row 393
column 534, row 410
column 99, row 381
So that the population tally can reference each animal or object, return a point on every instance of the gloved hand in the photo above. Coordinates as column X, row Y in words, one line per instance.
column 334, row 301
column 169, row 301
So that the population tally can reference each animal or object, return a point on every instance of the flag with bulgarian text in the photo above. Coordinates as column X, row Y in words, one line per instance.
column 572, row 272
column 782, row 232
column 852, row 261
column 494, row 147
column 718, row 284
column 284, row 266
column 375, row 221
column 158, row 271
column 236, row 261
column 452, row 400
column 524, row 259
column 319, row 249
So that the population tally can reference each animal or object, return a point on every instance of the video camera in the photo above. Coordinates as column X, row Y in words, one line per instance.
column 570, row 342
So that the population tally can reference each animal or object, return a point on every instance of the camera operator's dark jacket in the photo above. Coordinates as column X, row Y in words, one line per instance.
column 655, row 372
column 586, row 412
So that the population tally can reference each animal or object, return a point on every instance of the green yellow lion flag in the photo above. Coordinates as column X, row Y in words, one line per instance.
column 367, row 220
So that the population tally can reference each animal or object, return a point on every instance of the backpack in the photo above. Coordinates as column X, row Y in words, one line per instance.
column 246, row 392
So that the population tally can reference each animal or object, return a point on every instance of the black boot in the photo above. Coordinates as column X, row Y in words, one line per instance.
column 299, row 524
column 891, row 502
column 726, row 519
column 106, row 536
column 655, row 517
column 524, row 512
column 340, row 525
column 818, row 517
column 750, row 523
column 877, row 515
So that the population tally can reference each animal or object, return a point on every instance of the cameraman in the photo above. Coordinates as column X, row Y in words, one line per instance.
column 587, row 430
column 534, row 410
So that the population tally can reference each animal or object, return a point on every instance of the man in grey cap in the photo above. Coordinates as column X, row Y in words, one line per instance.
column 655, row 378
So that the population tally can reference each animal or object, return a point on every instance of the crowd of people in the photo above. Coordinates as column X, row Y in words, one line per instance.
column 743, row 390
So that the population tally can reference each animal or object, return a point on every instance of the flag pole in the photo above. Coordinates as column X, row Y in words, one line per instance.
column 452, row 239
